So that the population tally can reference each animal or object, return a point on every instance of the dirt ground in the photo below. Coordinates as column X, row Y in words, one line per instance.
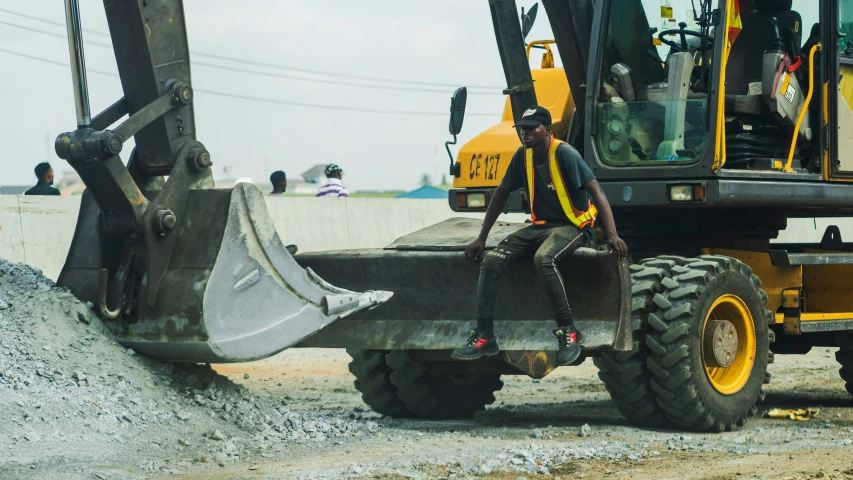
column 76, row 405
column 544, row 416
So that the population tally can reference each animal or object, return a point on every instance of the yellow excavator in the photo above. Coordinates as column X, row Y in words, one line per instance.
column 704, row 152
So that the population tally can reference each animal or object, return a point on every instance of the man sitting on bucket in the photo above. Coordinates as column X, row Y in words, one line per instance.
column 565, row 201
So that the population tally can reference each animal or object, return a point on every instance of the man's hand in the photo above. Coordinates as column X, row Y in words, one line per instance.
column 617, row 246
column 605, row 216
column 475, row 249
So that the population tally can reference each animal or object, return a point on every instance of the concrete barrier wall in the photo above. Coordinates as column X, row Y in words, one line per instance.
column 38, row 230
column 317, row 224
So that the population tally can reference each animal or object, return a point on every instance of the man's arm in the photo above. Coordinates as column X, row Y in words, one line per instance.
column 605, row 215
column 496, row 206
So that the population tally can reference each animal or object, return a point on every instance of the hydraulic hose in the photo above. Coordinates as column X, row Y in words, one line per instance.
column 805, row 108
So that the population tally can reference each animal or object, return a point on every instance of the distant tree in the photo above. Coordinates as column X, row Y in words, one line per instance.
column 425, row 180
column 444, row 179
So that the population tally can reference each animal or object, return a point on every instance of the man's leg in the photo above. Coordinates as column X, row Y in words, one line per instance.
column 495, row 262
column 560, row 242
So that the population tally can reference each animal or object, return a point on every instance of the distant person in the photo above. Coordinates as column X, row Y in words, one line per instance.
column 45, row 179
column 279, row 182
column 334, row 187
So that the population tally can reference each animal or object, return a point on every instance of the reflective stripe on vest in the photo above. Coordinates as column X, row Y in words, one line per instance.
column 578, row 218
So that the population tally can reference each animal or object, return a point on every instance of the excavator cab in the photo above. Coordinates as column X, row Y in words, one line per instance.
column 650, row 110
column 179, row 270
column 738, row 92
column 763, row 97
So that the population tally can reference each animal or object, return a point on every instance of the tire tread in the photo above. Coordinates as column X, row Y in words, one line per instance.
column 670, row 357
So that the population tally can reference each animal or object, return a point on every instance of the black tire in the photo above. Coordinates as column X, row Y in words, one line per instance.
column 372, row 379
column 683, row 388
column 844, row 355
column 625, row 374
column 428, row 396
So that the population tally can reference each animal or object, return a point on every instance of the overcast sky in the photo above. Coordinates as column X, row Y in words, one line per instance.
column 442, row 41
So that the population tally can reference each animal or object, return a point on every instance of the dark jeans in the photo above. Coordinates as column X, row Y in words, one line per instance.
column 550, row 243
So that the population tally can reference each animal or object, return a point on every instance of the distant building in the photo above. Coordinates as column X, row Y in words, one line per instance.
column 229, row 182
column 315, row 174
column 14, row 189
column 425, row 192
column 299, row 187
column 69, row 183
column 295, row 186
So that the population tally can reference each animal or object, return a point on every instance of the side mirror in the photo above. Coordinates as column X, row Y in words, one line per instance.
column 527, row 20
column 457, row 110
column 457, row 114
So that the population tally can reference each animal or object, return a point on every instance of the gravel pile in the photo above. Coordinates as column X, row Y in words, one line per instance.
column 70, row 394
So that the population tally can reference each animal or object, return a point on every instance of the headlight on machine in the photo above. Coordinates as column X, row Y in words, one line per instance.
column 476, row 200
column 681, row 193
column 686, row 193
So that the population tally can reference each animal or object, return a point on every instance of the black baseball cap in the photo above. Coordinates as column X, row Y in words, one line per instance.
column 534, row 116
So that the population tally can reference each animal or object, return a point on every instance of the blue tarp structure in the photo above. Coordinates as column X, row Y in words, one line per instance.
column 427, row 191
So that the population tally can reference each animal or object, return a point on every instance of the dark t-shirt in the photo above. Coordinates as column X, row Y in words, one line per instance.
column 546, row 205
column 42, row 188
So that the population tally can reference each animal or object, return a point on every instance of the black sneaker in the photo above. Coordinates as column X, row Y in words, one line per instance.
column 569, row 339
column 477, row 346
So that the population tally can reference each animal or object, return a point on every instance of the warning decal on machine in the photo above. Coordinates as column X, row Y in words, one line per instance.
column 789, row 94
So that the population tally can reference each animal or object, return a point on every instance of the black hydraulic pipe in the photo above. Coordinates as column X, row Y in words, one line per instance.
column 510, row 41
column 571, row 24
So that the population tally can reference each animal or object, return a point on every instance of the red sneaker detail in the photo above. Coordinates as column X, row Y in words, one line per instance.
column 573, row 337
column 481, row 342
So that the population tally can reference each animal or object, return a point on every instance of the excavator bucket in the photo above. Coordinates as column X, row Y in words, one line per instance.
column 178, row 269
column 231, row 291
column 435, row 294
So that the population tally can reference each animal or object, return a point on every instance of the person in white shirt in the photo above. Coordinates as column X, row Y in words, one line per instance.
column 334, row 187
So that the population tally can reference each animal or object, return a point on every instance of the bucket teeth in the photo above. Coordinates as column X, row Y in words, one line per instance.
column 343, row 304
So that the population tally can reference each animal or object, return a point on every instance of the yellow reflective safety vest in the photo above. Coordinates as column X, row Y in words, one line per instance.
column 580, row 219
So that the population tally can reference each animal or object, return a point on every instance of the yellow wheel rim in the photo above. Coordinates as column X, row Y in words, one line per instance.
column 728, row 316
